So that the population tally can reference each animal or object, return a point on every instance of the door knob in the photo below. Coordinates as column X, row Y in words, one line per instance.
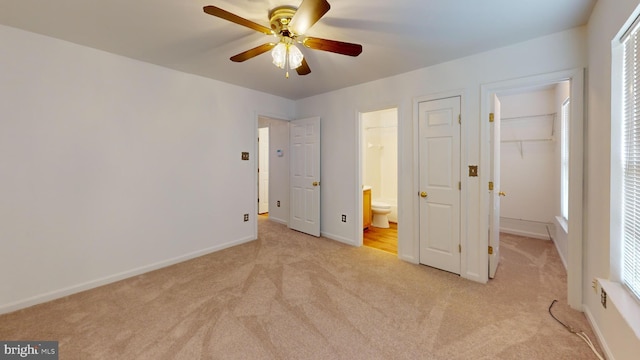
column 424, row 194
column 502, row 193
column 316, row 183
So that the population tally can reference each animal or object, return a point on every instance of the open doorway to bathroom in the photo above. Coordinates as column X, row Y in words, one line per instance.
column 379, row 179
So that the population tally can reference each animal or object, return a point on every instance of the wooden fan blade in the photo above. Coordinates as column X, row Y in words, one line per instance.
column 304, row 68
column 309, row 12
column 223, row 14
column 252, row 52
column 337, row 47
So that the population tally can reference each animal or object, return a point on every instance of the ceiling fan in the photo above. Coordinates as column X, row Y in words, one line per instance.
column 288, row 25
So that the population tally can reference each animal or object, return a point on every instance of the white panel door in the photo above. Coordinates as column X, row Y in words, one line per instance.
column 263, row 170
column 439, row 151
column 494, row 195
column 304, row 144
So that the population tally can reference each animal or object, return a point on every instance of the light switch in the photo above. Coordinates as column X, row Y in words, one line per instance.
column 473, row 170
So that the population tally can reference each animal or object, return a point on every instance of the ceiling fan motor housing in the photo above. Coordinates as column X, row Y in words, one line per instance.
column 279, row 18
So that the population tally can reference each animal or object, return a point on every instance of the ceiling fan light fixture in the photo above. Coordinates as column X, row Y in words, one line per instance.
column 283, row 52
column 286, row 56
column 279, row 54
column 295, row 57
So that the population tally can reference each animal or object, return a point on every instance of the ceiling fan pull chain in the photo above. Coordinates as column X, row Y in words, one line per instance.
column 286, row 61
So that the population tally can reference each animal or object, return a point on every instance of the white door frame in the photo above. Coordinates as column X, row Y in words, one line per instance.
column 494, row 197
column 576, row 171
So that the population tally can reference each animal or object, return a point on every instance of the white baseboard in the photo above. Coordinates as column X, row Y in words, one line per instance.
column 528, row 228
column 276, row 220
column 596, row 330
column 408, row 258
column 535, row 235
column 564, row 261
column 56, row 294
column 338, row 238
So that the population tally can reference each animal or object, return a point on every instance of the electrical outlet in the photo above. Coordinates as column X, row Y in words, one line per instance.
column 278, row 203
column 245, row 155
column 603, row 298
column 246, row 217
column 344, row 218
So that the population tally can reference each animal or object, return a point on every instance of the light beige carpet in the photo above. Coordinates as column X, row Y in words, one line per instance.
column 293, row 296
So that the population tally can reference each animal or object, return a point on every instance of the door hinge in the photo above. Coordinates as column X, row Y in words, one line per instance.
column 490, row 250
column 459, row 118
column 459, row 248
column 490, row 185
column 459, row 185
column 491, row 117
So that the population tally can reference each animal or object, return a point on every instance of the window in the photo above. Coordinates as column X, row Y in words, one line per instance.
column 630, row 156
column 564, row 161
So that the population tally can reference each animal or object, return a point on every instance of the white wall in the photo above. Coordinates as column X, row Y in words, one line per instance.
column 528, row 167
column 278, row 168
column 339, row 109
column 606, row 20
column 111, row 167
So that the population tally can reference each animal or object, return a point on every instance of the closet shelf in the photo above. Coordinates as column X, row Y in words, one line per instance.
column 524, row 117
column 527, row 140
column 519, row 142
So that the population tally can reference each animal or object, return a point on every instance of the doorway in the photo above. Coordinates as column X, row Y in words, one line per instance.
column 263, row 171
column 532, row 141
column 572, row 82
column 274, row 155
column 528, row 194
column 379, row 174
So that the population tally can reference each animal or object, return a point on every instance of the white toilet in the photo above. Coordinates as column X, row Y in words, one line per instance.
column 380, row 211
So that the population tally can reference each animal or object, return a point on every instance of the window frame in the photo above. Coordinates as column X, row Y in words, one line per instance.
column 628, row 146
column 626, row 303
column 564, row 158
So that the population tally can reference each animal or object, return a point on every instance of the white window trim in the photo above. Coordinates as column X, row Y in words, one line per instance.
column 624, row 301
column 564, row 159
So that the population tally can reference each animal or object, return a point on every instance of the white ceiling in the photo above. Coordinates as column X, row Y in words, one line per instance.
column 397, row 35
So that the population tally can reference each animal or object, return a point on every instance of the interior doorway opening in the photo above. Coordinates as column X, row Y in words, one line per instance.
column 272, row 169
column 574, row 166
column 263, row 171
column 379, row 179
column 533, row 162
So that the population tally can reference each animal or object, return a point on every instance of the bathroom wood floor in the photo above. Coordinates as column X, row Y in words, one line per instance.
column 382, row 239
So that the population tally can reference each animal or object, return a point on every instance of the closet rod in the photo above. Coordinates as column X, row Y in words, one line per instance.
column 526, row 117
